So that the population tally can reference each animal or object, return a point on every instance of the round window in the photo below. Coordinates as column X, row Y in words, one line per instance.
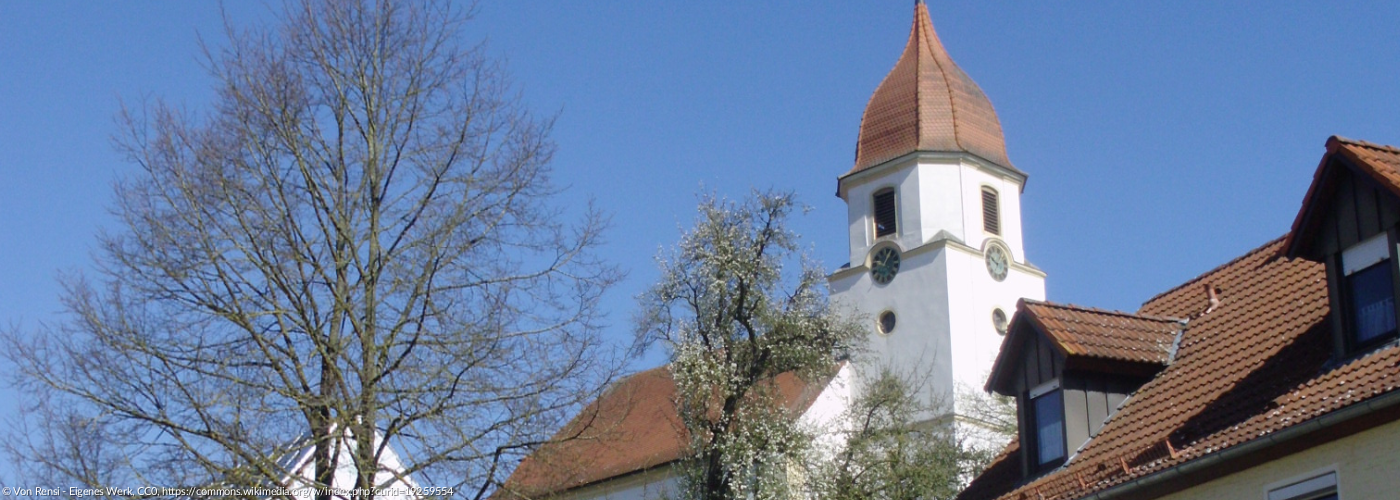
column 887, row 322
column 999, row 321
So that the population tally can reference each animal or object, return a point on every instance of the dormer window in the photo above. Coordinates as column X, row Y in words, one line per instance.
column 1048, row 413
column 1370, row 292
column 884, row 212
column 991, row 212
column 1350, row 221
column 1066, row 367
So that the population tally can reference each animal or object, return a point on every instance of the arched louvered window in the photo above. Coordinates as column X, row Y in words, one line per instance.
column 884, row 213
column 991, row 211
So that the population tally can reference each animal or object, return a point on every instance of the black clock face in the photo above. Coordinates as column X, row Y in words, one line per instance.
column 884, row 265
column 997, row 262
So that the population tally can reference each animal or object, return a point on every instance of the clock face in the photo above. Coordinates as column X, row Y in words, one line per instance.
column 997, row 262
column 884, row 265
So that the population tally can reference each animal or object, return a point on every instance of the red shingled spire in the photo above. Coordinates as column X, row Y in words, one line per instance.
column 927, row 103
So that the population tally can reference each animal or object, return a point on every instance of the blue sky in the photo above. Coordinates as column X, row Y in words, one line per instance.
column 1161, row 139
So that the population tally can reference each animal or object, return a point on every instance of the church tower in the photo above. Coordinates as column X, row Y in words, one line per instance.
column 934, row 212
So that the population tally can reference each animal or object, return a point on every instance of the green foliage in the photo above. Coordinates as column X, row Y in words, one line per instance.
column 889, row 455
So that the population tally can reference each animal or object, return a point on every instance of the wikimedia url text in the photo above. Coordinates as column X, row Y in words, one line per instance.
column 149, row 491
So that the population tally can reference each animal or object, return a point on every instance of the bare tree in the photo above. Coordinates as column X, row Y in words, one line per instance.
column 734, row 323
column 352, row 249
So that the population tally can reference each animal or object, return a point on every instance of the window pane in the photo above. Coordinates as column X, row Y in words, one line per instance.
column 1372, row 302
column 1049, row 427
column 1322, row 487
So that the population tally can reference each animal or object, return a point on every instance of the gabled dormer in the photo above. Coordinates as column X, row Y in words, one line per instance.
column 1348, row 221
column 1070, row 368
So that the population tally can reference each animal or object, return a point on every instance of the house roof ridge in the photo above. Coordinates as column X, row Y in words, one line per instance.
column 1098, row 310
column 1367, row 144
column 1198, row 278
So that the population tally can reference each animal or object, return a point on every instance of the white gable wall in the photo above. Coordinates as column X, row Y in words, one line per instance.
column 824, row 418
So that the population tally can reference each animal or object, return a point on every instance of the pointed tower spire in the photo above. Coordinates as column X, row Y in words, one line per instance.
column 927, row 103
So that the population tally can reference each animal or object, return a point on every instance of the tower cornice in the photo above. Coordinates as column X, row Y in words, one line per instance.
column 906, row 159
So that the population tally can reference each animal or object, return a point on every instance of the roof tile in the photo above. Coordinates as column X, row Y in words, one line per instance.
column 927, row 103
column 1256, row 364
column 633, row 427
column 1099, row 333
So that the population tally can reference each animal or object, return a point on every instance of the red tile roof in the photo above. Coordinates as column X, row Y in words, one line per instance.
column 1379, row 162
column 1090, row 332
column 631, row 428
column 927, row 103
column 1084, row 335
column 1255, row 365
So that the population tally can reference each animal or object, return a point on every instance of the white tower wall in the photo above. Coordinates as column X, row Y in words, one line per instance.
column 943, row 295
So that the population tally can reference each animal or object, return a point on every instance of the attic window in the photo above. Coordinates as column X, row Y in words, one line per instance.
column 1370, row 292
column 884, row 213
column 1048, row 414
column 1372, row 304
column 991, row 212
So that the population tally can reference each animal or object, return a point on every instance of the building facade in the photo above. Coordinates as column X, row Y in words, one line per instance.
column 1272, row 377
column 937, row 265
column 937, row 258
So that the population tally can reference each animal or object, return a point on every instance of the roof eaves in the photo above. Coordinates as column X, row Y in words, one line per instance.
column 1220, row 460
column 561, row 492
column 1305, row 209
